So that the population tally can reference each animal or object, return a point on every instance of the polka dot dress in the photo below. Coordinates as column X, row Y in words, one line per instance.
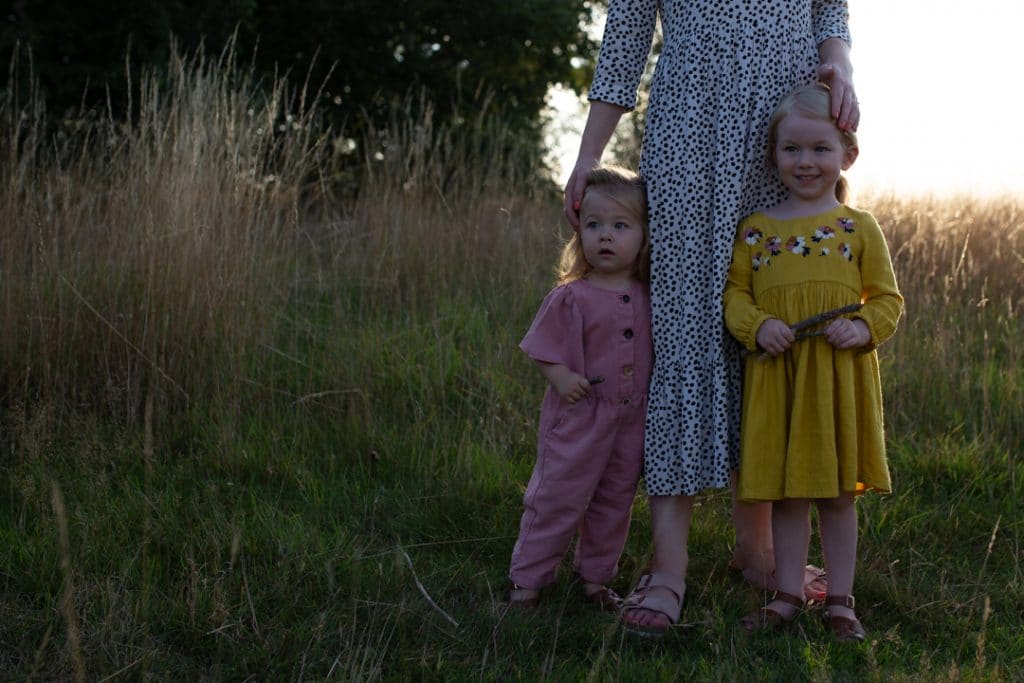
column 724, row 66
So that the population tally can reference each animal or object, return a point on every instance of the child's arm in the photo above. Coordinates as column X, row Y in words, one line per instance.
column 571, row 386
column 751, row 326
column 883, row 303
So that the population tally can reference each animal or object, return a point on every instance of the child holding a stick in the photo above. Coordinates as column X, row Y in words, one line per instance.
column 811, row 292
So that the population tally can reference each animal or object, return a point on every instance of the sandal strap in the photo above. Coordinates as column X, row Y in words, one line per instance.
column 840, row 601
column 789, row 599
column 676, row 584
column 641, row 597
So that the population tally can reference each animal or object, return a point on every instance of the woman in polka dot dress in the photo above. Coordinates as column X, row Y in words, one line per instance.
column 723, row 67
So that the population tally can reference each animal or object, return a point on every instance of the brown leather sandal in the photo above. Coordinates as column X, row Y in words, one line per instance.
column 522, row 598
column 768, row 619
column 845, row 629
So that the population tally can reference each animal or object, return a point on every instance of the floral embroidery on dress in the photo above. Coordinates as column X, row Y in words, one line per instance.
column 825, row 251
column 756, row 261
column 798, row 245
column 774, row 245
column 845, row 223
column 752, row 236
column 846, row 251
column 823, row 233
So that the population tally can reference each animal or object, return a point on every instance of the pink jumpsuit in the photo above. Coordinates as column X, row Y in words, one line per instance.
column 589, row 454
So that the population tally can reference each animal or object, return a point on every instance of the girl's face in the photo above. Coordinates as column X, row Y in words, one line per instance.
column 612, row 236
column 809, row 156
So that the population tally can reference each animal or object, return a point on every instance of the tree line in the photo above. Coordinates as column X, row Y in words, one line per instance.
column 363, row 55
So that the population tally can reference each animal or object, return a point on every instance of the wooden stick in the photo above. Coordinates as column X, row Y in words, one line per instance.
column 423, row 591
column 824, row 317
column 817, row 320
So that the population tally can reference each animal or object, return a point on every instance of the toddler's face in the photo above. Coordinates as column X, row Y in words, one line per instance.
column 612, row 234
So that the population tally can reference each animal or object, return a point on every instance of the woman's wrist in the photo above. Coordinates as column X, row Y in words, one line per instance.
column 836, row 51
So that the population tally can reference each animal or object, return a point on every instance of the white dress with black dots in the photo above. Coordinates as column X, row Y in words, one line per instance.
column 724, row 66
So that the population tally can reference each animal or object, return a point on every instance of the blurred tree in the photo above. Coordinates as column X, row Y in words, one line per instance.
column 79, row 50
column 368, row 54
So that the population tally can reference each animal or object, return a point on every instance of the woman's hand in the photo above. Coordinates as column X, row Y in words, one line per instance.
column 835, row 71
column 845, row 107
column 601, row 121
column 774, row 337
column 574, row 188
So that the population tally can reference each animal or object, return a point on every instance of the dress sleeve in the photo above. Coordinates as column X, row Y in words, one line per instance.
column 628, row 32
column 883, row 303
column 556, row 334
column 743, row 317
column 830, row 20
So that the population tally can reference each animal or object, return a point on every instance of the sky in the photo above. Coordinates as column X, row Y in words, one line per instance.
column 940, row 87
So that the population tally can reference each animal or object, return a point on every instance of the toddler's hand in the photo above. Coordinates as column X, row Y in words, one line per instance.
column 572, row 387
column 844, row 333
column 774, row 337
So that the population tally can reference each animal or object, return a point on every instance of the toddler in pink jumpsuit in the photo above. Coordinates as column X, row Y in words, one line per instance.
column 591, row 340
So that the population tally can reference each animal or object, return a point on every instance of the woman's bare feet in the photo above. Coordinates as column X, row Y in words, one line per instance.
column 763, row 577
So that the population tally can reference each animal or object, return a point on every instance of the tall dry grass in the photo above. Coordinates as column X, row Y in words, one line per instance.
column 138, row 255
column 196, row 250
column 453, row 208
column 957, row 362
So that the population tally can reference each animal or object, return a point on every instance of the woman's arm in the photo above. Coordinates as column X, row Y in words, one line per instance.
column 625, row 49
column 602, row 119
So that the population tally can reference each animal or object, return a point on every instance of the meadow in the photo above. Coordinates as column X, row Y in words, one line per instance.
column 257, row 427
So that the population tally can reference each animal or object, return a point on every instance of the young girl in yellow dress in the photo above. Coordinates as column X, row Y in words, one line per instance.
column 811, row 293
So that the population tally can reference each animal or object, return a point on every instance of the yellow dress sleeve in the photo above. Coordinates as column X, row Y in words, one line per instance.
column 883, row 303
column 743, row 318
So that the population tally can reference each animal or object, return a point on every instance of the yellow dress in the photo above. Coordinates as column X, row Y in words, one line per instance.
column 812, row 417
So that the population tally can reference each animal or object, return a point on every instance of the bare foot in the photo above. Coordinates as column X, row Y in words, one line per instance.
column 815, row 584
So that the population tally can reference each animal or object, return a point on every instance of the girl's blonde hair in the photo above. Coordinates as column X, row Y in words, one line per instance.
column 630, row 191
column 815, row 102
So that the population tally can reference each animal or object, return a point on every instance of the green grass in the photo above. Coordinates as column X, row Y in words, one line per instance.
column 302, row 455
column 273, row 544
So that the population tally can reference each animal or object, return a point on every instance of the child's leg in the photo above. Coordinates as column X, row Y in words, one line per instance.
column 605, row 525
column 569, row 465
column 754, row 554
column 838, row 520
column 791, row 529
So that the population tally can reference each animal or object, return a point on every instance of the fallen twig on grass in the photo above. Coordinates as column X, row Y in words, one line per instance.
column 423, row 591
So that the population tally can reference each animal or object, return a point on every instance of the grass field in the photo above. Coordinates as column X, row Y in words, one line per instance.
column 251, row 431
